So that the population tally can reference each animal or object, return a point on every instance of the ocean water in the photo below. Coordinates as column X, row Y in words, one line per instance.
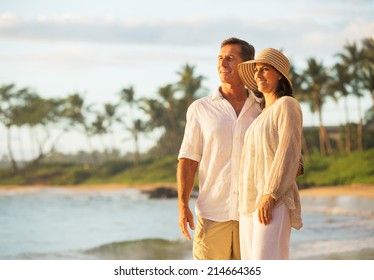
column 57, row 223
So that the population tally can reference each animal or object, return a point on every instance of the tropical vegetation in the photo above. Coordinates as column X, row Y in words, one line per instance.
column 48, row 119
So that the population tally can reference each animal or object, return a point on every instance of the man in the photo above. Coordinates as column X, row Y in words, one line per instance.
column 212, row 145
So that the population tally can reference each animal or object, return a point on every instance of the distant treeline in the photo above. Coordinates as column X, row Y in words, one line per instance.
column 48, row 119
column 337, row 169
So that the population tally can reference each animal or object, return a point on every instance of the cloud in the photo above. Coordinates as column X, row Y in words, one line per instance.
column 9, row 21
column 295, row 35
column 83, row 57
column 106, row 29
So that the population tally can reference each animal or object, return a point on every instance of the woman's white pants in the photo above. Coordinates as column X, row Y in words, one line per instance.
column 270, row 242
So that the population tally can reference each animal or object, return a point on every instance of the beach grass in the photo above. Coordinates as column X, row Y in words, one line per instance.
column 338, row 169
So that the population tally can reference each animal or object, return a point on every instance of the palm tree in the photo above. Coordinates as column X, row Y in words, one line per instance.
column 315, row 85
column 38, row 114
column 111, row 117
column 25, row 108
column 164, row 114
column 189, row 84
column 77, row 113
column 98, row 127
column 170, row 104
column 301, row 97
column 127, row 97
column 138, row 127
column 353, row 58
column 368, row 81
column 169, row 111
column 368, row 66
column 8, row 96
column 340, row 84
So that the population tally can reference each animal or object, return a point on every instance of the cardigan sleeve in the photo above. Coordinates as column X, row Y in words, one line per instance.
column 283, row 170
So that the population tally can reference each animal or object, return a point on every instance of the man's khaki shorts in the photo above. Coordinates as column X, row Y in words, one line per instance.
column 216, row 240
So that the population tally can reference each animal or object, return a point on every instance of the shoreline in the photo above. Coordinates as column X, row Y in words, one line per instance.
column 361, row 190
column 365, row 254
column 330, row 192
column 98, row 187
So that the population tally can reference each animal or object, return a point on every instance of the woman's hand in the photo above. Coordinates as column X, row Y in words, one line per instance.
column 265, row 208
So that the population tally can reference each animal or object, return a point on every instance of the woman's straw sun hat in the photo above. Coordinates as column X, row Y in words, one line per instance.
column 269, row 56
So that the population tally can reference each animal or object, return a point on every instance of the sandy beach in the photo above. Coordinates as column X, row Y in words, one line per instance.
column 100, row 187
column 366, row 191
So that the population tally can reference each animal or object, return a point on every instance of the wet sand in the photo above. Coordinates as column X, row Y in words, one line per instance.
column 366, row 191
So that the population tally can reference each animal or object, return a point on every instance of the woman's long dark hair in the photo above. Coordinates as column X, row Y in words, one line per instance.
column 284, row 88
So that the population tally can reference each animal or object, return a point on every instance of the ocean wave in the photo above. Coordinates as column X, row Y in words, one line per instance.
column 67, row 255
column 331, row 248
column 144, row 249
column 341, row 211
column 162, row 249
column 336, row 211
column 342, row 205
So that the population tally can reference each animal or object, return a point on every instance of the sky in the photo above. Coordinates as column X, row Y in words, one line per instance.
column 98, row 47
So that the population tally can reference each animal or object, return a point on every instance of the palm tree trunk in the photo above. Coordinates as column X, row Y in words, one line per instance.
column 10, row 152
column 347, row 129
column 113, row 140
column 304, row 146
column 360, row 136
column 95, row 161
column 347, row 139
column 136, row 153
column 328, row 143
column 321, row 135
column 324, row 140
column 21, row 145
column 359, row 126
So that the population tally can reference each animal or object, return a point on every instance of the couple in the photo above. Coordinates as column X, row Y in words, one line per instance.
column 245, row 175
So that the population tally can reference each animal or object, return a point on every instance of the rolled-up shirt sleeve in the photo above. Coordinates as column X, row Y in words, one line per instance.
column 192, row 143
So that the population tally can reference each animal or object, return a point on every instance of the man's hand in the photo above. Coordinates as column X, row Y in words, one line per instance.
column 186, row 217
column 186, row 174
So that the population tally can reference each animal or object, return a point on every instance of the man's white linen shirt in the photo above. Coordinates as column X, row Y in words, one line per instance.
column 214, row 137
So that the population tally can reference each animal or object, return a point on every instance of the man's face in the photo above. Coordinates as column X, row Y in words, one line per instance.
column 228, row 60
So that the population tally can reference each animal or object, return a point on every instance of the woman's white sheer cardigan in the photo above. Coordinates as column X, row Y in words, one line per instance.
column 270, row 158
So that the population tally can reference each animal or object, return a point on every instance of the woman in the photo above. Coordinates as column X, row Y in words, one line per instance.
column 269, row 198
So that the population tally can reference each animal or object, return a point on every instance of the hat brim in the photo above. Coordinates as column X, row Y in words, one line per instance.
column 247, row 73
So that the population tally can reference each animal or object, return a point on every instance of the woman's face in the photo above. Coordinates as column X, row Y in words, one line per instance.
column 266, row 77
